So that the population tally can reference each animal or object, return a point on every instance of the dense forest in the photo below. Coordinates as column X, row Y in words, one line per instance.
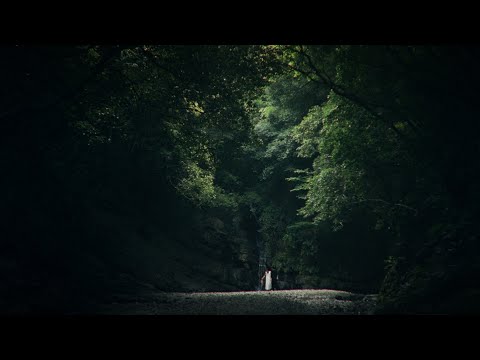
column 129, row 169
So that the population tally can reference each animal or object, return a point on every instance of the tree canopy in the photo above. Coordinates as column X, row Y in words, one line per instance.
column 350, row 166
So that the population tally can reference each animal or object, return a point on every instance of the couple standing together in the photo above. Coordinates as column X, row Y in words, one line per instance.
column 267, row 279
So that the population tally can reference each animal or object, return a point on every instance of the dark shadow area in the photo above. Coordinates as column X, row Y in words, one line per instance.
column 129, row 170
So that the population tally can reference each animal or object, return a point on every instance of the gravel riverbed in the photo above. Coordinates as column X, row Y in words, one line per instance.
column 282, row 302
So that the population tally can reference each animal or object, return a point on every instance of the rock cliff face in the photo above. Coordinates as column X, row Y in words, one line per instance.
column 222, row 256
column 116, row 258
column 208, row 254
column 119, row 258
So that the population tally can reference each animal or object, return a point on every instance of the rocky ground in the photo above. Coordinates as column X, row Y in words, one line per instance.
column 284, row 302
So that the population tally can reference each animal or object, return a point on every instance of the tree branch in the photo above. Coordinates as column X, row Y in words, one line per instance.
column 339, row 90
column 154, row 59
column 387, row 203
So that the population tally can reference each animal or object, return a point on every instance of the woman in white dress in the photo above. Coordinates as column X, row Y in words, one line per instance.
column 268, row 279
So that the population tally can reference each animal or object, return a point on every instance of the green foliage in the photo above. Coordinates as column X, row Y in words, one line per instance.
column 344, row 141
column 295, row 141
column 197, row 185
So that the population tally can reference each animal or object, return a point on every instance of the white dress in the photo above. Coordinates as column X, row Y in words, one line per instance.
column 268, row 280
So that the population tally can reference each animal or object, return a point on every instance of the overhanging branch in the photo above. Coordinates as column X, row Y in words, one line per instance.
column 341, row 91
column 387, row 203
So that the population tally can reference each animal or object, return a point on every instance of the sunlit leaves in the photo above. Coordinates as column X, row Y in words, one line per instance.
column 197, row 184
column 345, row 142
column 307, row 133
